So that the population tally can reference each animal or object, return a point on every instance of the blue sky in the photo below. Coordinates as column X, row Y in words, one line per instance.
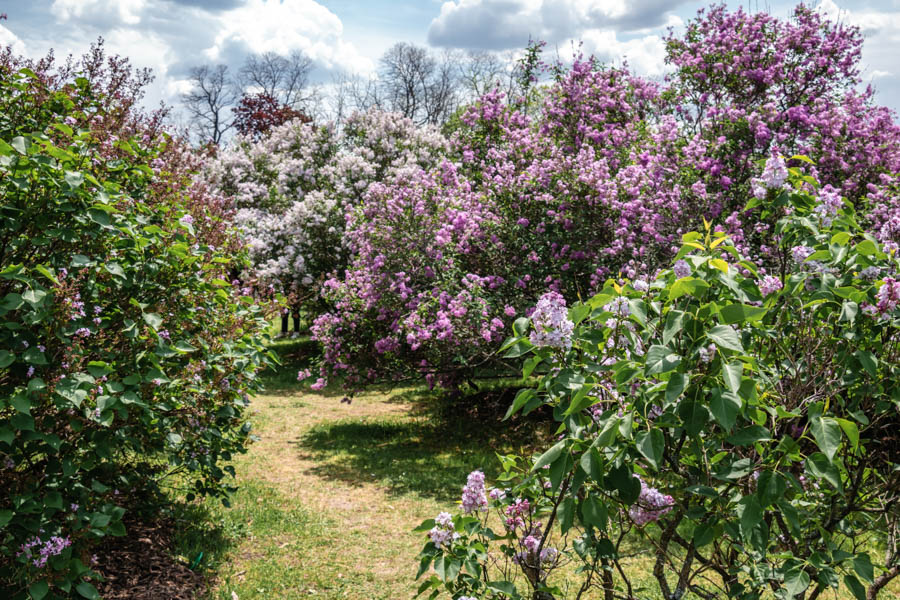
column 170, row 36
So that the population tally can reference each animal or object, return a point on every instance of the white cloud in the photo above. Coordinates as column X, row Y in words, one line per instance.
column 645, row 55
column 282, row 26
column 8, row 38
column 881, row 31
column 128, row 12
column 503, row 24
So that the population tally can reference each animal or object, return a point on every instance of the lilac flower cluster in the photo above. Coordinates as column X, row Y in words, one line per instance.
column 769, row 285
column 552, row 326
column 442, row 534
column 650, row 505
column 474, row 496
column 38, row 551
column 888, row 295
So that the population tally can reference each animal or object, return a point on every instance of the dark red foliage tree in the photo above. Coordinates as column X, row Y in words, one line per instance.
column 256, row 114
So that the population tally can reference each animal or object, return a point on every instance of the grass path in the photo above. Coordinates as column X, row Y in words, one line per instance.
column 330, row 494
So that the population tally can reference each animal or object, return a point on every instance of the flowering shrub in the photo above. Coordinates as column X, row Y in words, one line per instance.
column 124, row 351
column 293, row 186
column 603, row 180
column 743, row 428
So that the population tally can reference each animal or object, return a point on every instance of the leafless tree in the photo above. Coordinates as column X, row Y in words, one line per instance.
column 417, row 84
column 285, row 78
column 481, row 72
column 209, row 102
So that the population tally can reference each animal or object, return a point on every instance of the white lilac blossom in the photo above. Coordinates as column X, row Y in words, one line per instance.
column 619, row 306
column 775, row 173
column 293, row 188
column 552, row 326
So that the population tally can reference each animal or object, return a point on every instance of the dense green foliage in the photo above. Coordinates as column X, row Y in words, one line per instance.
column 125, row 354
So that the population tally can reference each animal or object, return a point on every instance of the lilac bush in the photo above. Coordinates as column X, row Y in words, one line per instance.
column 293, row 186
column 742, row 428
column 602, row 179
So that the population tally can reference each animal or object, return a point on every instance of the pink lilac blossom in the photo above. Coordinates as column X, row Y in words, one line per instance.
column 888, row 295
column 769, row 285
column 775, row 173
column 603, row 177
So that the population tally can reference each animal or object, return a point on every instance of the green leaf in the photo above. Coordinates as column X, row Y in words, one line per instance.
column 676, row 385
column 115, row 269
column 849, row 310
column 623, row 481
column 6, row 358
column 183, row 346
column 688, row 285
column 851, row 431
column 5, row 517
column 866, row 248
column 651, row 445
column 868, row 361
column 20, row 144
column 796, row 581
column 153, row 320
column 74, row 179
column 87, row 590
column 674, row 324
column 732, row 374
column 750, row 514
column 827, row 432
column 694, row 415
column 725, row 337
column 738, row 313
column 750, row 435
column 862, row 564
column 660, row 359
column 594, row 512
column 38, row 590
column 34, row 297
column 504, row 587
column 770, row 487
column 550, row 455
column 855, row 587
column 822, row 468
column 522, row 398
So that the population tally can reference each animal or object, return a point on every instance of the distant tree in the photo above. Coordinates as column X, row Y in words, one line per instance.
column 209, row 102
column 284, row 78
column 415, row 83
column 256, row 114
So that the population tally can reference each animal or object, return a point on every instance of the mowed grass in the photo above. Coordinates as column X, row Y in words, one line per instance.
column 331, row 492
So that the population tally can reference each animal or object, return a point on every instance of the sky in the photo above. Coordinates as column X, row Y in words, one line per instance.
column 171, row 36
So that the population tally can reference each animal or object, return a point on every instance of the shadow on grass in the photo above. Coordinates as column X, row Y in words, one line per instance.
column 427, row 456
column 294, row 354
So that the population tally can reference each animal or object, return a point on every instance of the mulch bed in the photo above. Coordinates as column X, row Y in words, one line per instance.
column 140, row 566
